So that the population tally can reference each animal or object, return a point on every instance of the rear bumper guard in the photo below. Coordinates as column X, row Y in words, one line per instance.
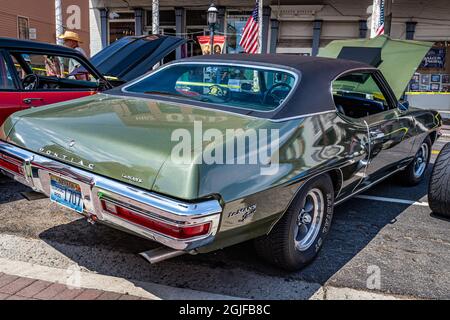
column 34, row 171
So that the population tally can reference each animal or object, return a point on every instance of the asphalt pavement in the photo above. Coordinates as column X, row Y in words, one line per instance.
column 403, row 244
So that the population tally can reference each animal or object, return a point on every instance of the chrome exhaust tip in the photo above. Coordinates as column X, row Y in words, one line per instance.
column 160, row 254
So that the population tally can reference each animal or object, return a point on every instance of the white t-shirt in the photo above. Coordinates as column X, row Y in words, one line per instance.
column 73, row 64
column 79, row 49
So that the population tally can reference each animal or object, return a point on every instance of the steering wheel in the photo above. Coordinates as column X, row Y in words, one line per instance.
column 219, row 92
column 30, row 82
column 270, row 93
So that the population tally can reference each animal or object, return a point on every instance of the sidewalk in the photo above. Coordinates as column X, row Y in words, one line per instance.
column 21, row 288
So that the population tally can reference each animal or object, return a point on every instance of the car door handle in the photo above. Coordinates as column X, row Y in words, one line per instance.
column 30, row 100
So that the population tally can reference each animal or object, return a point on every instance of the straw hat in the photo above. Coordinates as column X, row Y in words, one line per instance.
column 70, row 35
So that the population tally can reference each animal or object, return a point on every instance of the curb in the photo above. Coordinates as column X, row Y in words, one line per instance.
column 141, row 289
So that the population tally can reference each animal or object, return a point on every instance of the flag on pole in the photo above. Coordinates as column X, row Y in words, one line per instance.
column 250, row 35
column 377, row 18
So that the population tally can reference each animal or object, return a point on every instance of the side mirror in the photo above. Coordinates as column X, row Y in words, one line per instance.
column 403, row 105
column 103, row 84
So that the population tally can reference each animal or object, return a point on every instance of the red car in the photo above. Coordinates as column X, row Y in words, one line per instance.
column 34, row 74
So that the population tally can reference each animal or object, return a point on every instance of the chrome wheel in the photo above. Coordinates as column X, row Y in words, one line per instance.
column 421, row 160
column 309, row 220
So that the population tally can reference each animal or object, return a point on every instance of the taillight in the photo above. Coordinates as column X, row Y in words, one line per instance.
column 179, row 232
column 11, row 164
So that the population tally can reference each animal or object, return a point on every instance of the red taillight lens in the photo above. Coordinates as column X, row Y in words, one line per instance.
column 11, row 164
column 179, row 232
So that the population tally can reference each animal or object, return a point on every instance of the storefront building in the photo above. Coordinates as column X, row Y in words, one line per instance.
column 289, row 26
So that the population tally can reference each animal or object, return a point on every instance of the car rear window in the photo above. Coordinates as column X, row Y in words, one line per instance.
column 233, row 86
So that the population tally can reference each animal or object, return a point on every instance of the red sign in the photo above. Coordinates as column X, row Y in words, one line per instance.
column 218, row 44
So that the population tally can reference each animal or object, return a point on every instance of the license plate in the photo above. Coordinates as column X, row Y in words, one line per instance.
column 66, row 193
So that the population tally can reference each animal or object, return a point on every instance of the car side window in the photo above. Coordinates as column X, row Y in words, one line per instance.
column 6, row 80
column 54, row 72
column 358, row 95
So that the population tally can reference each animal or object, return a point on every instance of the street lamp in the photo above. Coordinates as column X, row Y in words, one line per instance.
column 212, row 20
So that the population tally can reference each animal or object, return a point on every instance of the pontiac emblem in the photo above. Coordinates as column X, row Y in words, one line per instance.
column 70, row 159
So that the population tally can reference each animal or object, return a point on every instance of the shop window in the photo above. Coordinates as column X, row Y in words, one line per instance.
column 166, row 18
column 196, row 18
column 23, row 28
column 120, row 29
column 433, row 74
column 236, row 21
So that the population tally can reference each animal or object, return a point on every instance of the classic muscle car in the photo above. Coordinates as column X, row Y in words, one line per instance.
column 34, row 74
column 439, row 188
column 210, row 151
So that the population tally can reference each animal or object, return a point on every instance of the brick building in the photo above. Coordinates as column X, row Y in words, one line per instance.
column 35, row 20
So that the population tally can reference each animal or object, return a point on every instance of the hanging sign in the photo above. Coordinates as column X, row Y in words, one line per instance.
column 435, row 58
column 218, row 45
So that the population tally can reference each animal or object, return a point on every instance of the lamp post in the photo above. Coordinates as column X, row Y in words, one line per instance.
column 212, row 20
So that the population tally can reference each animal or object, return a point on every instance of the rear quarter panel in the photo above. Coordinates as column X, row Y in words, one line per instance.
column 253, row 203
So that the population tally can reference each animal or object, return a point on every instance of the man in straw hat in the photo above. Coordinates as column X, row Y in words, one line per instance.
column 72, row 40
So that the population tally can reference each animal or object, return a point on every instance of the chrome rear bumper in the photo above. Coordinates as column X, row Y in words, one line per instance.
column 36, row 174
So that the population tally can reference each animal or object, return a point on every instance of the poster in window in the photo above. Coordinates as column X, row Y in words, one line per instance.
column 435, row 86
column 425, row 79
column 435, row 58
column 435, row 78
column 415, row 78
column 446, row 78
column 414, row 87
column 424, row 87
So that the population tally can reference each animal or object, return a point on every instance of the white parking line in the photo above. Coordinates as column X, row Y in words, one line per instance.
column 393, row 200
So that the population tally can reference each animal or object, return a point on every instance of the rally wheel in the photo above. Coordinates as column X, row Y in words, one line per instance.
column 299, row 235
column 415, row 171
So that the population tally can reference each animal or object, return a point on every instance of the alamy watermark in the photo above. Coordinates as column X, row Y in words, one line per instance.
column 230, row 146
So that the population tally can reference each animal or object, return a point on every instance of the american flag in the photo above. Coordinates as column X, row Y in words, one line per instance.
column 380, row 23
column 250, row 35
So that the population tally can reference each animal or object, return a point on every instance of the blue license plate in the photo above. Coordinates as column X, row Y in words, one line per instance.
column 66, row 193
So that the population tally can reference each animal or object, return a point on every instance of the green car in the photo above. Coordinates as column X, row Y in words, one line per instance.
column 211, row 151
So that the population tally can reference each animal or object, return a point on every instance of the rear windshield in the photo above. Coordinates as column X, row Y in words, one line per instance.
column 255, row 89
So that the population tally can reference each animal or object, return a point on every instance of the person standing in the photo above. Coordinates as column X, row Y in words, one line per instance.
column 72, row 40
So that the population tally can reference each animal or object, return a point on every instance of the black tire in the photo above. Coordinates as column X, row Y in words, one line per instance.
column 439, row 188
column 279, row 246
column 408, row 176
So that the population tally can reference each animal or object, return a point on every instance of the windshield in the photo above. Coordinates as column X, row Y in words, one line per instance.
column 255, row 89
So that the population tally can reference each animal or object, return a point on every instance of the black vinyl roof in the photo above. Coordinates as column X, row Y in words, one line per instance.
column 313, row 93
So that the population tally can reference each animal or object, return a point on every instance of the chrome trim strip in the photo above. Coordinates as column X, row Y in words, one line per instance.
column 39, row 168
column 369, row 186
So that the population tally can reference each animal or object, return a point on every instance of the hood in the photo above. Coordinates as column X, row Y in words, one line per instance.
column 131, row 57
column 397, row 59
column 126, row 139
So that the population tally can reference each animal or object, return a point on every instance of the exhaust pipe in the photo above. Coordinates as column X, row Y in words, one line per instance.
column 160, row 254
